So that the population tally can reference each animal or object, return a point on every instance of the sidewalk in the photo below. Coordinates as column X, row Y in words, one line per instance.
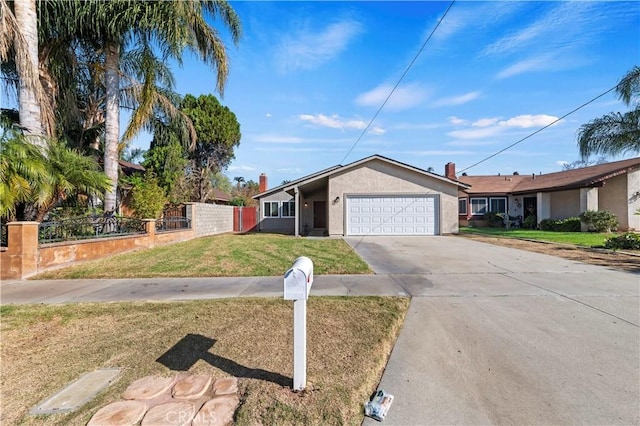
column 114, row 290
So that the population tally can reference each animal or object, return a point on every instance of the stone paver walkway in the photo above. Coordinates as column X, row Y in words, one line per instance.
column 177, row 400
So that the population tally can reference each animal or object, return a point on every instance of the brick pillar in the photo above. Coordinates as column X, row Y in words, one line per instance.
column 22, row 251
column 150, row 229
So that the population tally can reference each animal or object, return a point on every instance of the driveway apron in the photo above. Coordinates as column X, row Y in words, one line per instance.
column 496, row 335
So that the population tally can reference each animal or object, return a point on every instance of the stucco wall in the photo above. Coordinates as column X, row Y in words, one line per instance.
column 565, row 204
column 618, row 197
column 275, row 224
column 633, row 199
column 377, row 177
column 210, row 219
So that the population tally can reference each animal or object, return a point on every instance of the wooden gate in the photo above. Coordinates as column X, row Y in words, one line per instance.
column 245, row 219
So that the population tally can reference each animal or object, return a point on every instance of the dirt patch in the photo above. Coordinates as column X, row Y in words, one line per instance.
column 620, row 261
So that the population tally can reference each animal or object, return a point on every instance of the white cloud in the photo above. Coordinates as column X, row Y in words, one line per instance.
column 561, row 162
column 290, row 170
column 489, row 127
column 241, row 168
column 333, row 121
column 377, row 130
column 526, row 121
column 308, row 49
column 404, row 97
column 268, row 115
column 476, row 133
column 539, row 63
column 457, row 121
column 457, row 100
column 417, row 126
column 485, row 122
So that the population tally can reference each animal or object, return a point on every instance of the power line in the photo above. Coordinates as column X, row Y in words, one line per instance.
column 406, row 71
column 541, row 129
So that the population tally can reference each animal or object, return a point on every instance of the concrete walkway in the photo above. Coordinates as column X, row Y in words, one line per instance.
column 493, row 335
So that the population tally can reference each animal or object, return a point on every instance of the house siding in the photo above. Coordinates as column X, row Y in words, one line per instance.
column 284, row 225
column 378, row 177
column 565, row 204
column 619, row 188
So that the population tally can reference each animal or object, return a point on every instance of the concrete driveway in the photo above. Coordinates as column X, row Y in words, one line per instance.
column 496, row 335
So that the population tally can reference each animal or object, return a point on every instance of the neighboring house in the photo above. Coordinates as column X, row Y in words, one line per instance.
column 611, row 186
column 372, row 196
column 219, row 197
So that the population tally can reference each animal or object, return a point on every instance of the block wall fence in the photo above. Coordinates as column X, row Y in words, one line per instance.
column 24, row 256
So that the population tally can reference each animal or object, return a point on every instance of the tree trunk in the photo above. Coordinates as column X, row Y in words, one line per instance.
column 30, row 117
column 112, row 123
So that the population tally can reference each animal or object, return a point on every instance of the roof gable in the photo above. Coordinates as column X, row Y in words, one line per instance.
column 339, row 169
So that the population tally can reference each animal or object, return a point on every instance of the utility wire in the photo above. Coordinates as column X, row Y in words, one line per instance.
column 540, row 129
column 406, row 71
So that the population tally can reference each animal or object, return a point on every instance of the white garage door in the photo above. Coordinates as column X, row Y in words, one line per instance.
column 392, row 215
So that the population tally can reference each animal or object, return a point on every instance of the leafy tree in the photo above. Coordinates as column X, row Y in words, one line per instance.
column 147, row 197
column 220, row 181
column 217, row 134
column 615, row 133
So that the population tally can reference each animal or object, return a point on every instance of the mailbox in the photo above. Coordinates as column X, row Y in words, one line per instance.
column 298, row 279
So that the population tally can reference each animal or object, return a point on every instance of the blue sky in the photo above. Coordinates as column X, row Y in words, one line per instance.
column 307, row 78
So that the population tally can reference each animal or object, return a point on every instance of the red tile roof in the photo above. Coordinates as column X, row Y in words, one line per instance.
column 569, row 179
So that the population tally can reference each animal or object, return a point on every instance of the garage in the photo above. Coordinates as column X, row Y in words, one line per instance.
column 392, row 214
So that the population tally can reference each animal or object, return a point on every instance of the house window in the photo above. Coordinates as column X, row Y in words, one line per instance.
column 478, row 206
column 288, row 208
column 462, row 206
column 270, row 209
column 498, row 205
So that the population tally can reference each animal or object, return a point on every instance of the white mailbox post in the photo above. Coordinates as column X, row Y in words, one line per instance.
column 297, row 285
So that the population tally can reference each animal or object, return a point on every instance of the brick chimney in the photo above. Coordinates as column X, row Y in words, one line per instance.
column 263, row 183
column 450, row 171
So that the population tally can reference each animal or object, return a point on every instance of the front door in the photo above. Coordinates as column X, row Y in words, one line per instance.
column 320, row 214
column 530, row 206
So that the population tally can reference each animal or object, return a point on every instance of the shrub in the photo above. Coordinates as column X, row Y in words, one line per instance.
column 570, row 224
column 599, row 221
column 494, row 220
column 626, row 241
column 530, row 222
column 148, row 198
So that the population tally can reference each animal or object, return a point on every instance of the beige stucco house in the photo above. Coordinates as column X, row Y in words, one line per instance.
column 611, row 186
column 372, row 196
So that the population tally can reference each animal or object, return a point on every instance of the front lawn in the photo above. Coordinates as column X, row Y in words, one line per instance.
column 586, row 239
column 349, row 340
column 226, row 255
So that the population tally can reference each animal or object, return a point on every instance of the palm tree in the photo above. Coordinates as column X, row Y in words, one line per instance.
column 174, row 26
column 19, row 51
column 70, row 172
column 22, row 165
column 615, row 133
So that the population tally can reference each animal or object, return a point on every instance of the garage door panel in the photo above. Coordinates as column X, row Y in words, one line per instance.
column 392, row 215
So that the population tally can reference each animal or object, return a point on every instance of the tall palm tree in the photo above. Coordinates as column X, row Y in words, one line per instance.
column 615, row 133
column 174, row 26
column 19, row 47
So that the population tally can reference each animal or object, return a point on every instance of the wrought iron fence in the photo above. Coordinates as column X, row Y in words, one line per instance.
column 172, row 223
column 4, row 235
column 89, row 227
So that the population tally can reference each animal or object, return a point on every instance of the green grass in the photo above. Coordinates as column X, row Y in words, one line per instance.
column 45, row 347
column 586, row 239
column 222, row 256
